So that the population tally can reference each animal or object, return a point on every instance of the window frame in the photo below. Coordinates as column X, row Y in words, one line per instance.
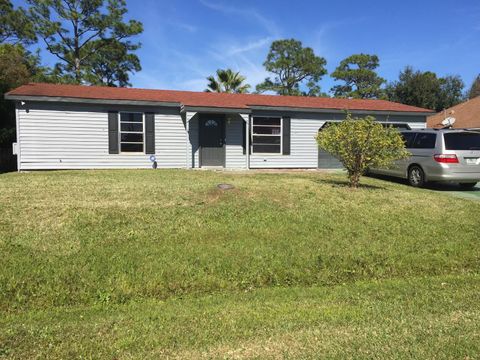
column 252, row 134
column 409, row 143
column 419, row 133
column 400, row 126
column 130, row 132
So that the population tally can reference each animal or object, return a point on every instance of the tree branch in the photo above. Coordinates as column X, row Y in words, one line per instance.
column 56, row 53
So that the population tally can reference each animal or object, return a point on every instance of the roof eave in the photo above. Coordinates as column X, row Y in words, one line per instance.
column 15, row 97
column 214, row 109
column 339, row 111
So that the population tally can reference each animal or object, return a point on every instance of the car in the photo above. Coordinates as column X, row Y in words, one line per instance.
column 444, row 155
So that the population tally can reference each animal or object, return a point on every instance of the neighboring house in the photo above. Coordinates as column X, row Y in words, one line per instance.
column 466, row 114
column 88, row 127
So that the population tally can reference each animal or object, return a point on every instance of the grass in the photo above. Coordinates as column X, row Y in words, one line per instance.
column 145, row 264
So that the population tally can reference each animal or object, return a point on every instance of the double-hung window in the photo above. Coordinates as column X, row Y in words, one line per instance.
column 266, row 135
column 131, row 132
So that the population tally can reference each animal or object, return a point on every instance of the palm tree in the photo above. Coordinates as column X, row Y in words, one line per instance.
column 227, row 81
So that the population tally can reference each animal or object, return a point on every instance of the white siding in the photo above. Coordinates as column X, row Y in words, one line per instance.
column 170, row 139
column 303, row 148
column 235, row 158
column 75, row 136
column 58, row 136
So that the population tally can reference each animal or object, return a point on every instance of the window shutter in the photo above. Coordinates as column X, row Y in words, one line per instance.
column 113, row 132
column 286, row 135
column 244, row 139
column 149, row 133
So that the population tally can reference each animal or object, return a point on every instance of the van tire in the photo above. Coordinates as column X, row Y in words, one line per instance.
column 467, row 186
column 416, row 176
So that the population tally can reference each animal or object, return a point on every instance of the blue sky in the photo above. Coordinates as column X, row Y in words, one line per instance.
column 185, row 41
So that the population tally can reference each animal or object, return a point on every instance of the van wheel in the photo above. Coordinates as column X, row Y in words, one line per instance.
column 416, row 176
column 467, row 185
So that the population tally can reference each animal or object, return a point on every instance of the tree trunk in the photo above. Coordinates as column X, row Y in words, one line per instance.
column 78, row 74
column 354, row 178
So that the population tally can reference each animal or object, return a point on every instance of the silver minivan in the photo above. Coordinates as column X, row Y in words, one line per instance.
column 446, row 155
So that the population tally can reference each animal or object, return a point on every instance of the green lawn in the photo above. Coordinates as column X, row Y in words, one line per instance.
column 149, row 264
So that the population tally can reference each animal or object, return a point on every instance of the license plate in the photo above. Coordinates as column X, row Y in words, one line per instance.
column 472, row 161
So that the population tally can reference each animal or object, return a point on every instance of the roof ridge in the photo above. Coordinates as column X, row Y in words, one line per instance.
column 214, row 93
column 208, row 99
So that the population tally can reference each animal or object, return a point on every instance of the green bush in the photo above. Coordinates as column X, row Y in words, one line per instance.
column 362, row 143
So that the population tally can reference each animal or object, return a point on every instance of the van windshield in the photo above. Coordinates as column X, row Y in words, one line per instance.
column 462, row 141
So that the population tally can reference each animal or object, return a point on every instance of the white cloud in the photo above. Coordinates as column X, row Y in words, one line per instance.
column 248, row 13
column 253, row 45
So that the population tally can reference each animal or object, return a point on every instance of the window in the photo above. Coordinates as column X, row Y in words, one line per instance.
column 267, row 135
column 131, row 132
column 402, row 126
column 424, row 141
column 462, row 141
column 408, row 138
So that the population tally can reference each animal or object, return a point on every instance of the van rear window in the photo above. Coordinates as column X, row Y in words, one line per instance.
column 462, row 141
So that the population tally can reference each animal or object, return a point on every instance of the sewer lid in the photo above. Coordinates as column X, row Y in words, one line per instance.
column 225, row 186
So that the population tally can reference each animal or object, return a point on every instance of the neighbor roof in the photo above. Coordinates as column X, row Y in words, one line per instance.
column 466, row 114
column 205, row 99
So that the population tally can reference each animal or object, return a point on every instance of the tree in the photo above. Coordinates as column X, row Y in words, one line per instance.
column 15, row 26
column 17, row 67
column 111, row 65
column 227, row 81
column 293, row 66
column 451, row 92
column 425, row 89
column 362, row 143
column 359, row 77
column 475, row 88
column 76, row 31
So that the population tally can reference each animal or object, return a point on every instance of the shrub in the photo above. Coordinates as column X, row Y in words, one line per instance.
column 362, row 143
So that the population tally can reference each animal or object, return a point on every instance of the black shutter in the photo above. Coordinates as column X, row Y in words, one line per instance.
column 244, row 139
column 286, row 135
column 150, row 133
column 113, row 132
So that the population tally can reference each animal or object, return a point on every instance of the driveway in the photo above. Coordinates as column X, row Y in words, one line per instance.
column 455, row 190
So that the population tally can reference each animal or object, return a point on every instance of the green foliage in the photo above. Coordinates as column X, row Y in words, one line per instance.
column 227, row 81
column 362, row 143
column 425, row 89
column 112, row 64
column 475, row 88
column 293, row 66
column 451, row 92
column 17, row 67
column 82, row 34
column 359, row 77
column 15, row 26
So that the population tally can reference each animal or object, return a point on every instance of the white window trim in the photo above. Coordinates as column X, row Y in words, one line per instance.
column 276, row 135
column 130, row 132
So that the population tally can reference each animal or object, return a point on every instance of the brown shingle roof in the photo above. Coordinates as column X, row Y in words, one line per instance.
column 203, row 99
column 466, row 114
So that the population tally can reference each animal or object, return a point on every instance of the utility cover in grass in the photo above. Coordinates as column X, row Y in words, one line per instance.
column 225, row 186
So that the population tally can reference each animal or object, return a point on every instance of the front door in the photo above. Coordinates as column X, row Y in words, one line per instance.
column 212, row 140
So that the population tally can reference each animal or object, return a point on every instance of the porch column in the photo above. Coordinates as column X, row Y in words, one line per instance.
column 188, row 147
column 246, row 118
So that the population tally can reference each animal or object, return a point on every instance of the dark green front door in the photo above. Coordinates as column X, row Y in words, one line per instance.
column 212, row 140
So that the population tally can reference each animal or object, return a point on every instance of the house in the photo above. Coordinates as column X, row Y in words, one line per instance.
column 466, row 114
column 88, row 127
